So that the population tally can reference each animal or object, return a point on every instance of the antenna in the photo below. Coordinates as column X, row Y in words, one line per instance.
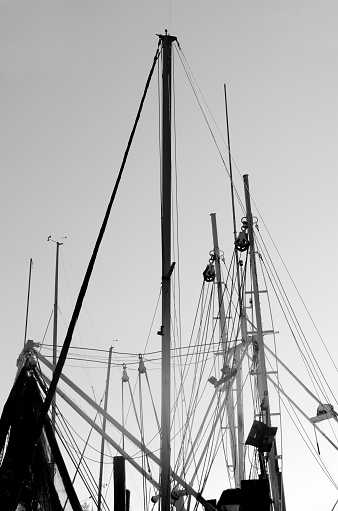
column 28, row 296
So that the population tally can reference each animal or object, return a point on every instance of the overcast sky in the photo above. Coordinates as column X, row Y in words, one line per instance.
column 72, row 76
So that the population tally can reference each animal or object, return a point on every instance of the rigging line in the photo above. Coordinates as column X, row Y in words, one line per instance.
column 123, row 423
column 192, row 405
column 64, row 252
column 154, row 408
column 148, row 360
column 184, row 375
column 277, row 368
column 81, row 466
column 230, row 168
column 218, row 415
column 235, row 404
column 86, row 442
column 227, row 464
column 82, row 362
column 296, row 288
column 44, row 336
column 195, row 87
column 273, row 277
column 135, row 411
column 191, row 412
column 309, row 443
column 229, row 331
column 196, row 439
column 197, row 381
column 152, row 323
column 314, row 363
column 142, row 421
column 313, row 374
column 200, row 307
column 68, row 446
column 293, row 406
column 131, row 354
column 208, row 454
column 278, row 381
column 144, row 484
column 289, row 319
column 185, row 433
column 175, row 210
column 298, row 293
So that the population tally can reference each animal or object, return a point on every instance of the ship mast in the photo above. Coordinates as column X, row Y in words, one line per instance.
column 239, row 473
column 224, row 344
column 55, row 318
column 261, row 367
column 167, row 268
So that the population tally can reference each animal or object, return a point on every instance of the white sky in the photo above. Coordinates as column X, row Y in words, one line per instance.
column 72, row 75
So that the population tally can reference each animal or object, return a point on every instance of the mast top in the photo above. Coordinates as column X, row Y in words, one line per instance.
column 167, row 37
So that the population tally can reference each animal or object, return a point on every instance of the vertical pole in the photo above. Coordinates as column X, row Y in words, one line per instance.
column 119, row 483
column 166, row 269
column 262, row 379
column 99, row 498
column 240, row 413
column 261, row 369
column 239, row 384
column 127, row 500
column 223, row 333
column 55, row 322
column 55, row 315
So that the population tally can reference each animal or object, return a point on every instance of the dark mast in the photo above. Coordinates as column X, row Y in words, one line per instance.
column 167, row 268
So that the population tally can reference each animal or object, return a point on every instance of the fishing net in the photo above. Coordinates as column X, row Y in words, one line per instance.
column 47, row 485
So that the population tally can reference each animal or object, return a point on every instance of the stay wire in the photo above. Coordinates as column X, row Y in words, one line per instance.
column 69, row 447
column 310, row 362
column 277, row 365
column 299, row 295
column 195, row 87
column 186, row 433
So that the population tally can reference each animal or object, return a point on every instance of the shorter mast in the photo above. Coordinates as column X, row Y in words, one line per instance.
column 224, row 347
column 104, row 429
column 56, row 305
column 55, row 318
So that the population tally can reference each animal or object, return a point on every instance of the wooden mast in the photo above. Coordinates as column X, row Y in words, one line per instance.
column 166, row 41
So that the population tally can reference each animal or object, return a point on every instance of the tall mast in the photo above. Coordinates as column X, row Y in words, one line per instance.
column 167, row 268
column 261, row 368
